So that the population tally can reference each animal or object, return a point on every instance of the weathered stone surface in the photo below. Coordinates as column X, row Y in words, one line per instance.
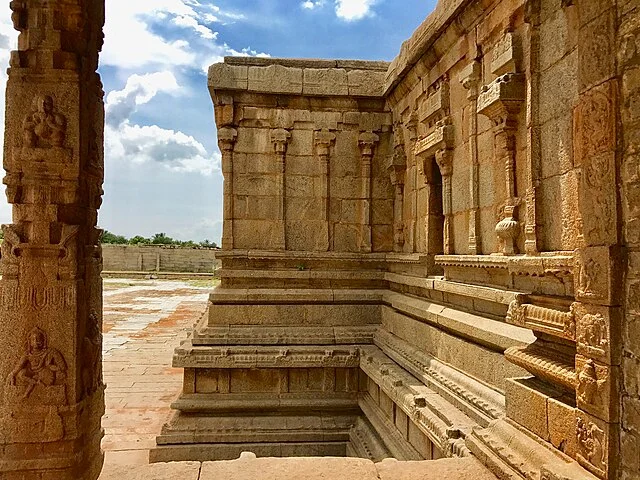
column 164, row 471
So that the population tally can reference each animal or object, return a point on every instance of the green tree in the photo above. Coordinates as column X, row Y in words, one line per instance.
column 108, row 237
column 162, row 239
column 139, row 240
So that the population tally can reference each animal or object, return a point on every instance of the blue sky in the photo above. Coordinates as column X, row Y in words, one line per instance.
column 162, row 165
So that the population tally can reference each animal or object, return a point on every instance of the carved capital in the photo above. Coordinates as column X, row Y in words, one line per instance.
column 227, row 137
column 323, row 140
column 397, row 165
column 367, row 142
column 280, row 139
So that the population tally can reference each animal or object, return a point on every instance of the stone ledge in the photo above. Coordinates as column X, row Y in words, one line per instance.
column 299, row 76
column 248, row 467
column 492, row 333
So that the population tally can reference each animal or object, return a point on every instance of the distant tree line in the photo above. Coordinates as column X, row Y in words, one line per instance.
column 157, row 239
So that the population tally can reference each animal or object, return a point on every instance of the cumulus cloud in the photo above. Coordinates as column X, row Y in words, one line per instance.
column 144, row 45
column 140, row 89
column 351, row 10
column 127, row 142
column 150, row 143
column 348, row 10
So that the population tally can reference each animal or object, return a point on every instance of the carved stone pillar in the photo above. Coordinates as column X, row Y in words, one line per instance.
column 599, row 264
column 51, row 291
column 367, row 143
column 324, row 140
column 280, row 139
column 226, row 140
column 397, row 170
column 444, row 159
column 470, row 79
column 501, row 102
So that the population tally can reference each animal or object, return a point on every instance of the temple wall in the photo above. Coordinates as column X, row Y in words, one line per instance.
column 132, row 258
column 451, row 231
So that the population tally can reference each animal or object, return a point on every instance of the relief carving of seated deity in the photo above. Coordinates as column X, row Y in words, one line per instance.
column 39, row 366
column 44, row 127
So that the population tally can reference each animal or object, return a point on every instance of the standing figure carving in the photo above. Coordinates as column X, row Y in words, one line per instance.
column 40, row 365
column 92, row 349
column 44, row 127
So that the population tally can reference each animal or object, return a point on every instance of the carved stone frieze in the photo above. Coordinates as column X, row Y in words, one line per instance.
column 442, row 137
column 189, row 356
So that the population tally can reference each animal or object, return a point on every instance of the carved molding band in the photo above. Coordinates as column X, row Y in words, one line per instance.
column 541, row 319
column 550, row 366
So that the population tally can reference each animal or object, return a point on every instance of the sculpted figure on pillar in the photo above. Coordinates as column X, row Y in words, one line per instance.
column 44, row 127
column 40, row 365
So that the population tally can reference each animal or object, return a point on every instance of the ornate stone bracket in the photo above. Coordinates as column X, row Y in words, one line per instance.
column 367, row 141
column 280, row 139
column 226, row 140
column 501, row 102
column 324, row 140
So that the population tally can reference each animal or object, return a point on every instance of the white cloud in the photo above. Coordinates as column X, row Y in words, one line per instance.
column 351, row 10
column 148, row 144
column 310, row 5
column 140, row 89
column 133, row 41
column 127, row 142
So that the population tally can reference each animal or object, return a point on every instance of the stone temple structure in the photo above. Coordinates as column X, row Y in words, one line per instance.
column 436, row 257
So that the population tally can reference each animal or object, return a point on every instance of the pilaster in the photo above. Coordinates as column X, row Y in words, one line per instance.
column 367, row 141
column 226, row 140
column 280, row 139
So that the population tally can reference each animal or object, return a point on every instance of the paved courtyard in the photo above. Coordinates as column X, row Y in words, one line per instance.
column 144, row 320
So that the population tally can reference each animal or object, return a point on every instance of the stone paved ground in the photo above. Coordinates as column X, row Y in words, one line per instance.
column 143, row 322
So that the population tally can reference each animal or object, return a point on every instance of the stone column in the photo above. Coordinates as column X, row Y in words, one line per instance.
column 367, row 143
column 226, row 141
column 397, row 170
column 470, row 79
column 598, row 273
column 51, row 291
column 280, row 139
column 501, row 102
column 444, row 159
column 324, row 139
